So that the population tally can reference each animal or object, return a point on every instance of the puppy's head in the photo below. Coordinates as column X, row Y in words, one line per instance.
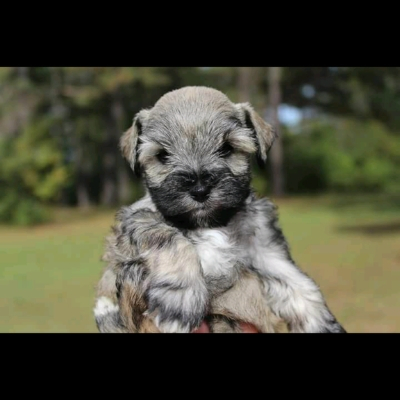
column 193, row 149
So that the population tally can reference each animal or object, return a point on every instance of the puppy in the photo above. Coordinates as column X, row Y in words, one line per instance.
column 200, row 245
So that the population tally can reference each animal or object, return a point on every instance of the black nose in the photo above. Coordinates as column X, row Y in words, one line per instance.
column 200, row 192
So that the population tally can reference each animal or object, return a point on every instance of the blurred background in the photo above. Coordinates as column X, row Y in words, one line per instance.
column 334, row 172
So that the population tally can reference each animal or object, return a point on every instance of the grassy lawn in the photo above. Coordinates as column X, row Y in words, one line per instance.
column 351, row 247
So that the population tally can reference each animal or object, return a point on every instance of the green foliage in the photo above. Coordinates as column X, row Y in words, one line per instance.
column 32, row 171
column 17, row 210
column 305, row 165
column 342, row 155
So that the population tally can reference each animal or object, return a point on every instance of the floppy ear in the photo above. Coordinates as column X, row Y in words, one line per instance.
column 262, row 131
column 130, row 140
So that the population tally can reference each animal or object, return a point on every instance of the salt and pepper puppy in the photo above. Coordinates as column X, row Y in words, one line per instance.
column 199, row 245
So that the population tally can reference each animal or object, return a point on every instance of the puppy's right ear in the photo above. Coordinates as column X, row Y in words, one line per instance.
column 263, row 132
column 130, row 140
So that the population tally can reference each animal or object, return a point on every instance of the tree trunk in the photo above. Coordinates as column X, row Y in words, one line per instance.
column 109, row 194
column 244, row 84
column 23, row 73
column 109, row 190
column 123, row 181
column 276, row 152
column 82, row 187
column 82, row 193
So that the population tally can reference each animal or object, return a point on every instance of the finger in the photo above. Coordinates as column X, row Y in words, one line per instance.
column 203, row 328
column 248, row 328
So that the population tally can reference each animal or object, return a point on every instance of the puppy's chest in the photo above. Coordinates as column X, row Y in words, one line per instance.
column 220, row 255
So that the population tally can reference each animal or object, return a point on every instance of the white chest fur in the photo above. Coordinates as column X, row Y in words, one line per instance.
column 220, row 256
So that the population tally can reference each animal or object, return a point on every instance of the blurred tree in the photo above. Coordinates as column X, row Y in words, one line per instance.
column 105, row 92
column 362, row 92
column 276, row 152
column 60, row 128
column 343, row 155
column 245, row 84
column 32, row 169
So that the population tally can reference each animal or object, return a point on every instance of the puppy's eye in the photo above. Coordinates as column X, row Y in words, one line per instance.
column 162, row 156
column 225, row 150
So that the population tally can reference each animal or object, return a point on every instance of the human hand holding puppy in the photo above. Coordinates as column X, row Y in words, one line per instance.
column 245, row 328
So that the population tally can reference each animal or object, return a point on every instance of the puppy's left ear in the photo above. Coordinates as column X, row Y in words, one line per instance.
column 129, row 142
column 262, row 131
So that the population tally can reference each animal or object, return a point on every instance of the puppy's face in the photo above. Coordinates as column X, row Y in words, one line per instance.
column 193, row 149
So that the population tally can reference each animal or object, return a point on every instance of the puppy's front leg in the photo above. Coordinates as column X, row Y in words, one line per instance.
column 175, row 289
column 292, row 295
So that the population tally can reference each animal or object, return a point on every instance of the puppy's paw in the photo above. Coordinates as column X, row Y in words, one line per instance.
column 176, row 308
column 326, row 325
column 171, row 326
column 334, row 327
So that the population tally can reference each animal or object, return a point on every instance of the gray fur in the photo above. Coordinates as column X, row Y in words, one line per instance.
column 176, row 257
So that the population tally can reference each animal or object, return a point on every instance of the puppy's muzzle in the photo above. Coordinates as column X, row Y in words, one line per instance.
column 199, row 186
column 200, row 192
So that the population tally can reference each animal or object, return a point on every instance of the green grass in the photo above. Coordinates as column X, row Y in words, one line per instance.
column 351, row 247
